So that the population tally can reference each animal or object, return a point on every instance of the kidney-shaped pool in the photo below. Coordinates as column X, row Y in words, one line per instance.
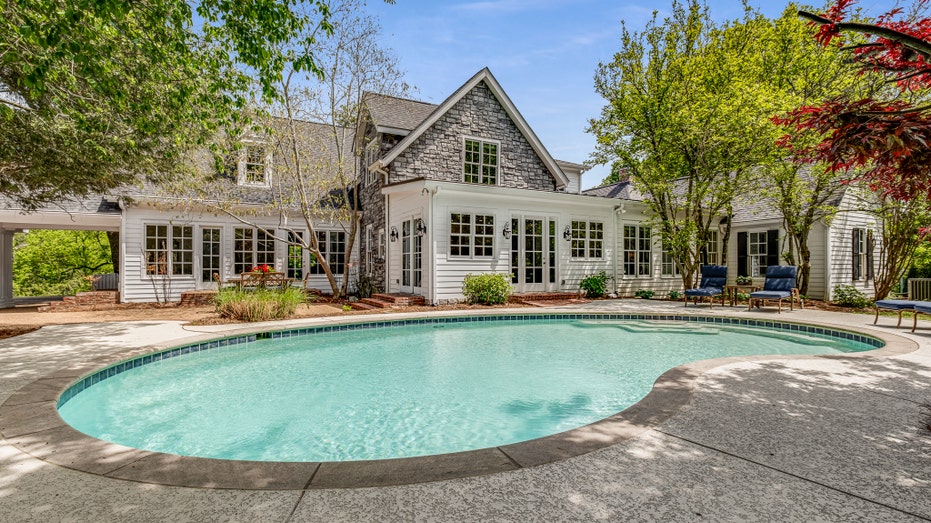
column 407, row 388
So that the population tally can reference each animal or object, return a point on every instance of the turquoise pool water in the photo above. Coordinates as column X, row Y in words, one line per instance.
column 404, row 391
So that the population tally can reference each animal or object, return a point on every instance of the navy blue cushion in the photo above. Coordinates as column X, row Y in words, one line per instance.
column 924, row 307
column 780, row 278
column 770, row 295
column 897, row 305
column 713, row 276
column 707, row 291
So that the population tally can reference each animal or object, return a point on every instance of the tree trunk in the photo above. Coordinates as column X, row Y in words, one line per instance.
column 113, row 237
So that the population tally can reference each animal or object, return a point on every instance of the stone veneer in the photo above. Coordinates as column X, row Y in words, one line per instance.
column 437, row 153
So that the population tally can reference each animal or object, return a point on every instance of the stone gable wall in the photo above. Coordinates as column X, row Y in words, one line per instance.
column 437, row 153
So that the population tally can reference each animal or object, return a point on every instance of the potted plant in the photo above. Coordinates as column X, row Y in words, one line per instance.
column 744, row 280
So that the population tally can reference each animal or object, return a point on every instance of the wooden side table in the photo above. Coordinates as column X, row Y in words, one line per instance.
column 731, row 291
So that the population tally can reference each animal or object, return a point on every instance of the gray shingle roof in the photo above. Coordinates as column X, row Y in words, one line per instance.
column 398, row 113
column 90, row 204
column 620, row 190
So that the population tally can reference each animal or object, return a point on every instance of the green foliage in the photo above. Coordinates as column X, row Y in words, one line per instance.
column 674, row 295
column 850, row 296
column 921, row 263
column 487, row 289
column 251, row 305
column 365, row 286
column 52, row 263
column 347, row 308
column 101, row 94
column 595, row 285
column 744, row 280
column 742, row 296
column 644, row 293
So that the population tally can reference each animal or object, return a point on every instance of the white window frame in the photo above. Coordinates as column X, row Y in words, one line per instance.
column 582, row 238
column 473, row 235
column 370, row 156
column 668, row 266
column 369, row 248
column 165, row 255
column 219, row 255
column 331, row 237
column 481, row 164
column 637, row 250
column 861, row 242
column 712, row 248
column 757, row 260
column 244, row 165
column 254, row 252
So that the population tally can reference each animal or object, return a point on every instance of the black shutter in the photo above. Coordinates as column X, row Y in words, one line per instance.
column 855, row 254
column 742, row 268
column 772, row 247
column 869, row 254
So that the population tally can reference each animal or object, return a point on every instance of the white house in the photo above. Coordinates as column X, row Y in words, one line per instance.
column 461, row 187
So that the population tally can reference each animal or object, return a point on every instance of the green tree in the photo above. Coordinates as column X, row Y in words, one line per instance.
column 52, row 263
column 687, row 117
column 97, row 94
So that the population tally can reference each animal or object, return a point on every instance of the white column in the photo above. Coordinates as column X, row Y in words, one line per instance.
column 6, row 268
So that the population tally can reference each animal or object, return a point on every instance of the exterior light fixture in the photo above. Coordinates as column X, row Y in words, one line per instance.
column 506, row 232
column 567, row 234
column 421, row 227
column 394, row 234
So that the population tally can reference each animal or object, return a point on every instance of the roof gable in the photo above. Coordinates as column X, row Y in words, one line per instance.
column 483, row 76
column 394, row 115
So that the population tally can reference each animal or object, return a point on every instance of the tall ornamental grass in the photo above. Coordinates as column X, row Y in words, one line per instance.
column 258, row 304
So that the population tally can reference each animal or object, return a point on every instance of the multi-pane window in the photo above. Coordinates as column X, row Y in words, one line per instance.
column 480, row 163
column 587, row 239
column 209, row 253
column 711, row 248
column 859, row 254
column 471, row 235
column 637, row 250
column 251, row 248
column 369, row 248
column 756, row 249
column 669, row 267
column 169, row 250
column 254, row 166
column 295, row 255
column 370, row 157
column 332, row 246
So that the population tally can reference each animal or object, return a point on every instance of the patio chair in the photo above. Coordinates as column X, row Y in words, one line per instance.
column 899, row 306
column 921, row 307
column 779, row 285
column 713, row 279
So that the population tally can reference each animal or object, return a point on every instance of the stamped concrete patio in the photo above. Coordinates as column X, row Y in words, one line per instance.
column 814, row 439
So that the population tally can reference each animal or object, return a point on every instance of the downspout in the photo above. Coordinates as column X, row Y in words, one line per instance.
column 387, row 229
column 433, row 279
column 618, row 210
column 828, row 263
column 121, row 270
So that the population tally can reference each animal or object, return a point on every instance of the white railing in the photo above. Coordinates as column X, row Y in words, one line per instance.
column 919, row 289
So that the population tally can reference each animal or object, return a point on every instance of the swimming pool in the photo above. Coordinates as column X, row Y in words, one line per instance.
column 408, row 388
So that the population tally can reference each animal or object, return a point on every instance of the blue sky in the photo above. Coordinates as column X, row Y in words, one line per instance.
column 543, row 52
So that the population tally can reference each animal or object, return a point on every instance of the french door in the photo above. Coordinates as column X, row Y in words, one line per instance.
column 411, row 257
column 533, row 253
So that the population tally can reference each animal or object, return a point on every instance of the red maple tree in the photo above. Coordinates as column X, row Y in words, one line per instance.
column 889, row 139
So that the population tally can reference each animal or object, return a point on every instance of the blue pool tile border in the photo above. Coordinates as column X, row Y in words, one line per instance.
column 118, row 368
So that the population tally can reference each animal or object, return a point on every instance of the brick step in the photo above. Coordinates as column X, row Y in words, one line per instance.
column 400, row 299
column 359, row 306
column 197, row 298
column 377, row 303
column 84, row 301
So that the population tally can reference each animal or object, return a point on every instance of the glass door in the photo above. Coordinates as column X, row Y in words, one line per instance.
column 533, row 254
column 411, row 257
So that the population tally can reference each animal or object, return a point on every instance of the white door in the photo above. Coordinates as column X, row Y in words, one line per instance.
column 533, row 253
column 411, row 257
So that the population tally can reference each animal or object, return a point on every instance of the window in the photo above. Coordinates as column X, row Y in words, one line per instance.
column 332, row 246
column 637, row 251
column 169, row 250
column 862, row 254
column 757, row 249
column 255, row 166
column 369, row 249
column 711, row 248
column 295, row 255
column 370, row 157
column 480, row 164
column 381, row 244
column 252, row 247
column 209, row 253
column 587, row 239
column 471, row 235
column 668, row 264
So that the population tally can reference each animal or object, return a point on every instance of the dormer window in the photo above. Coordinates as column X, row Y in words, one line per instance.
column 480, row 162
column 254, row 168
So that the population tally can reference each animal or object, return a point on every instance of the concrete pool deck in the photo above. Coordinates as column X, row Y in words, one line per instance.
column 779, row 439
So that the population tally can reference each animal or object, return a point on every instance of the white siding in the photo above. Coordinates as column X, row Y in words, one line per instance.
column 841, row 263
column 137, row 286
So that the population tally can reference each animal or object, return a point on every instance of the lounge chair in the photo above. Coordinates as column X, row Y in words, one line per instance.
column 899, row 306
column 713, row 278
column 921, row 307
column 779, row 285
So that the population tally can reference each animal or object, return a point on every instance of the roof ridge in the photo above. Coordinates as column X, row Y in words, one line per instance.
column 366, row 93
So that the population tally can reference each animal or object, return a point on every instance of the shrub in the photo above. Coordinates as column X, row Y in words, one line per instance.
column 674, row 295
column 257, row 304
column 644, row 293
column 487, row 289
column 742, row 296
column 365, row 286
column 849, row 296
column 595, row 285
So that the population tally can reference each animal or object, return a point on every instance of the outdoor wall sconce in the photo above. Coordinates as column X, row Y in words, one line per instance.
column 566, row 234
column 394, row 234
column 506, row 232
column 421, row 227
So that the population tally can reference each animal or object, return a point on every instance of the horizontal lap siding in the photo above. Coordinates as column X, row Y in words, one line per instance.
column 841, row 244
